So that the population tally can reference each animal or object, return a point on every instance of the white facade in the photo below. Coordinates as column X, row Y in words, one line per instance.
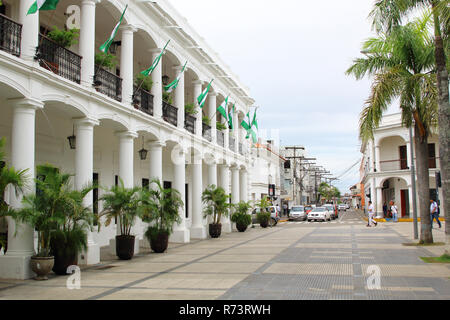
column 42, row 102
column 385, row 172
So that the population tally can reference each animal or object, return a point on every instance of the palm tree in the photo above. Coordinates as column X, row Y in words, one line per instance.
column 17, row 179
column 389, row 13
column 402, row 63
column 217, row 203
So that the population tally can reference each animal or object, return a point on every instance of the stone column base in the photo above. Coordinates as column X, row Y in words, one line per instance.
column 16, row 267
column 180, row 236
column 198, row 233
column 226, row 226
column 91, row 256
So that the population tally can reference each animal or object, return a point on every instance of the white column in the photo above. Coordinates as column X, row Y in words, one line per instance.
column 236, row 126
column 155, row 154
column 180, row 233
column 379, row 202
column 157, row 84
column 243, row 186
column 212, row 174
column 408, row 154
column 377, row 158
column 30, row 30
column 16, row 263
column 411, row 199
column 178, row 98
column 126, row 63
column 198, row 230
column 84, row 165
column 87, row 41
column 197, row 91
column 225, row 184
column 235, row 194
column 212, row 112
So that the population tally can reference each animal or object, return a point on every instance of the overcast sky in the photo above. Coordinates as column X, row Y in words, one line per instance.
column 293, row 55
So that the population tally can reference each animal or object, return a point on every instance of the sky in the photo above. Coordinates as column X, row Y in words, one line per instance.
column 293, row 55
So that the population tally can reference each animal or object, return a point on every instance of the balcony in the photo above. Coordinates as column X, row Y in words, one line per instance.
column 10, row 35
column 108, row 83
column 206, row 132
column 241, row 149
column 232, row 144
column 189, row 123
column 143, row 100
column 220, row 138
column 58, row 60
column 170, row 114
column 394, row 165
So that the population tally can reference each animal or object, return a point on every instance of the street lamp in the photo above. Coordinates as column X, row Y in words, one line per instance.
column 72, row 140
column 143, row 152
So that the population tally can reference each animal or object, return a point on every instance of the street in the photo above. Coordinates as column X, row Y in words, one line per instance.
column 292, row 261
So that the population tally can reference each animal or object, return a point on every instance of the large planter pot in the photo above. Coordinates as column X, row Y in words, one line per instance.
column 125, row 247
column 215, row 230
column 241, row 227
column 42, row 266
column 63, row 261
column 264, row 224
column 160, row 242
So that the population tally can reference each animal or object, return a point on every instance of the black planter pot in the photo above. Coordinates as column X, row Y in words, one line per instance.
column 160, row 242
column 215, row 230
column 63, row 261
column 241, row 227
column 125, row 247
column 264, row 224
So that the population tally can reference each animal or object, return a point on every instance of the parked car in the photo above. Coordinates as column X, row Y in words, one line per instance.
column 348, row 206
column 308, row 209
column 319, row 213
column 342, row 206
column 274, row 214
column 332, row 210
column 298, row 213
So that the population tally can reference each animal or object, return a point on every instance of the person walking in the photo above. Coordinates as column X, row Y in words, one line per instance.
column 371, row 210
column 385, row 209
column 394, row 211
column 434, row 212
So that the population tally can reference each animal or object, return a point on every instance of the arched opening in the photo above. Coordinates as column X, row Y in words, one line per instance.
column 393, row 154
column 396, row 189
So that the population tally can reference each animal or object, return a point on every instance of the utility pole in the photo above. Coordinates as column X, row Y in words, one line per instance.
column 295, row 158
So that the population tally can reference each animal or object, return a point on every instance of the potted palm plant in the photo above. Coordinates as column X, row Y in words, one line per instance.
column 160, row 208
column 263, row 214
column 217, row 205
column 241, row 216
column 122, row 204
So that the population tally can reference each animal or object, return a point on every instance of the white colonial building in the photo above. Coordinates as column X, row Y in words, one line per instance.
column 49, row 93
column 386, row 163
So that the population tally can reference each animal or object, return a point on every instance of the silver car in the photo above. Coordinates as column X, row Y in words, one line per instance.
column 298, row 213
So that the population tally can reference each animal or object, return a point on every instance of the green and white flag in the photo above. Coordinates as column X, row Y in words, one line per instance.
column 230, row 117
column 42, row 5
column 155, row 63
column 255, row 122
column 223, row 108
column 174, row 84
column 105, row 47
column 202, row 97
column 249, row 127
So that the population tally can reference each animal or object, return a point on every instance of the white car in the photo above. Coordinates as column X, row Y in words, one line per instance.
column 297, row 213
column 330, row 208
column 319, row 213
column 342, row 206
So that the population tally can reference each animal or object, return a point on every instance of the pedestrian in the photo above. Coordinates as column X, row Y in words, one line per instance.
column 394, row 211
column 285, row 209
column 278, row 209
column 434, row 213
column 371, row 220
column 385, row 209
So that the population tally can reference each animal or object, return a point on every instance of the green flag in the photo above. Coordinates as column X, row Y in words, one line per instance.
column 230, row 117
column 155, row 63
column 42, row 5
column 105, row 47
column 174, row 84
column 255, row 122
column 249, row 127
column 223, row 108
column 202, row 97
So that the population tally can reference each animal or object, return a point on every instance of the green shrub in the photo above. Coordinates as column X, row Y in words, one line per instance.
column 190, row 109
column 106, row 60
column 206, row 120
column 220, row 126
column 145, row 82
column 167, row 97
column 65, row 38
column 241, row 216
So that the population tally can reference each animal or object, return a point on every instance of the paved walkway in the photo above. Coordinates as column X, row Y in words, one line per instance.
column 292, row 261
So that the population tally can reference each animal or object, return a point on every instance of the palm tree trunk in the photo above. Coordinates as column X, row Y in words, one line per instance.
column 423, row 185
column 444, row 121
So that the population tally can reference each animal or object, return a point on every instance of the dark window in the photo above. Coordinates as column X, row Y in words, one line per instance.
column 432, row 156
column 167, row 185
column 403, row 158
column 116, row 183
column 145, row 183
column 186, row 200
column 3, row 9
column 95, row 194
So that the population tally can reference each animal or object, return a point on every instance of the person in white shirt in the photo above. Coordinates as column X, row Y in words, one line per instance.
column 434, row 212
column 371, row 215
column 394, row 211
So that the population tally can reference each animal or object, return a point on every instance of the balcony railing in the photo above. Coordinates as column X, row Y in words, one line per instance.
column 189, row 123
column 10, row 35
column 206, row 132
column 170, row 114
column 108, row 83
column 220, row 138
column 143, row 100
column 241, row 149
column 232, row 143
column 59, row 60
column 393, row 165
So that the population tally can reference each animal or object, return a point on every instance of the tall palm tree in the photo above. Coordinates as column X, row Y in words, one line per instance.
column 403, row 66
column 386, row 15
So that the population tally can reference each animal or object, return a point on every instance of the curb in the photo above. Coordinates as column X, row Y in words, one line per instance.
column 399, row 220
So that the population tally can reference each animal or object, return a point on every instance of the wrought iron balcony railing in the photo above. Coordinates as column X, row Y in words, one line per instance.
column 220, row 138
column 143, row 100
column 232, row 143
column 108, row 83
column 58, row 59
column 206, row 131
column 170, row 114
column 189, row 123
column 10, row 35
